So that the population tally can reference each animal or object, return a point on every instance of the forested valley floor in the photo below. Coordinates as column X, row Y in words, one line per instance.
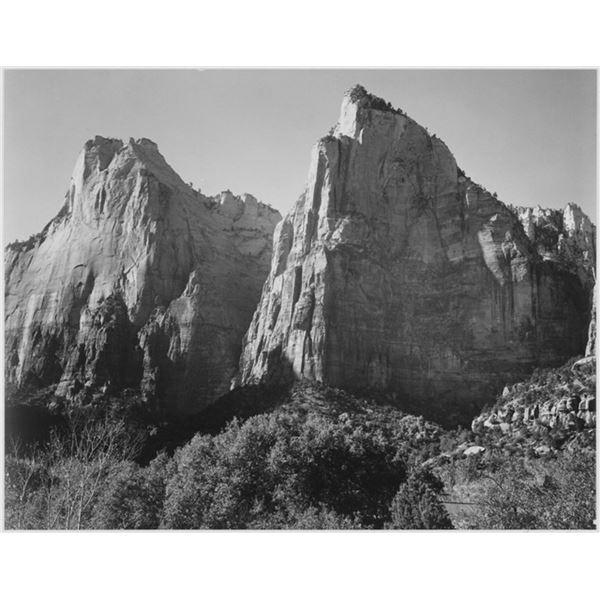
column 309, row 457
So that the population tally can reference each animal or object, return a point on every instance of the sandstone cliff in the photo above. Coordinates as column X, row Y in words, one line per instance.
column 138, row 281
column 563, row 236
column 394, row 271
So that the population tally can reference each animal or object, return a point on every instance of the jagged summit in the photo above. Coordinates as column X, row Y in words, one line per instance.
column 100, row 151
column 124, row 159
column 359, row 108
column 127, row 159
column 100, row 141
column 360, row 96
column 561, row 234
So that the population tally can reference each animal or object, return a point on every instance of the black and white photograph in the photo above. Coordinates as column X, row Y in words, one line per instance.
column 300, row 299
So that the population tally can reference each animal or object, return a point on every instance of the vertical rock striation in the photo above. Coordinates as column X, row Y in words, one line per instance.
column 590, row 349
column 568, row 238
column 138, row 281
column 394, row 271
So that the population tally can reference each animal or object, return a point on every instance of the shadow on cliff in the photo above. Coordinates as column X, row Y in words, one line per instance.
column 28, row 420
column 30, row 424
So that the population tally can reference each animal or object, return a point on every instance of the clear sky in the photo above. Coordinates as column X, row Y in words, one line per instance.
column 530, row 136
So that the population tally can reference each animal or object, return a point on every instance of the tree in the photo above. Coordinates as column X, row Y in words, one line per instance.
column 286, row 470
column 553, row 493
column 58, row 486
column 133, row 497
column 417, row 504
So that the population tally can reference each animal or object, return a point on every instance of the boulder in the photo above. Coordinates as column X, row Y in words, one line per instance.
column 542, row 450
column 474, row 451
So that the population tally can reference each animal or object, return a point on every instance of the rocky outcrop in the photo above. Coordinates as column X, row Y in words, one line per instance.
column 566, row 236
column 396, row 272
column 558, row 400
column 140, row 280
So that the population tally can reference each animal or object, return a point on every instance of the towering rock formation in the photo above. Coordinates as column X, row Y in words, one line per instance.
column 566, row 237
column 395, row 271
column 138, row 281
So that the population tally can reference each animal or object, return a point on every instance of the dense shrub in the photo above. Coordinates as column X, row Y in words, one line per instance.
column 358, row 92
column 133, row 497
column 281, row 471
column 553, row 493
column 417, row 504
column 523, row 492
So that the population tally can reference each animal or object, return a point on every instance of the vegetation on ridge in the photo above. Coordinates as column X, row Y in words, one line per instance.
column 359, row 93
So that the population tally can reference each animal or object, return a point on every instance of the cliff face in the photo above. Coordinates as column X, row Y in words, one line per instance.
column 138, row 281
column 395, row 271
column 590, row 349
column 566, row 237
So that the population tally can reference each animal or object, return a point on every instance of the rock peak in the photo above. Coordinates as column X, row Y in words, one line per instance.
column 108, row 146
column 396, row 272
column 359, row 95
column 356, row 91
column 138, row 282
column 144, row 145
column 100, row 151
column 100, row 140
column 357, row 112
column 575, row 218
